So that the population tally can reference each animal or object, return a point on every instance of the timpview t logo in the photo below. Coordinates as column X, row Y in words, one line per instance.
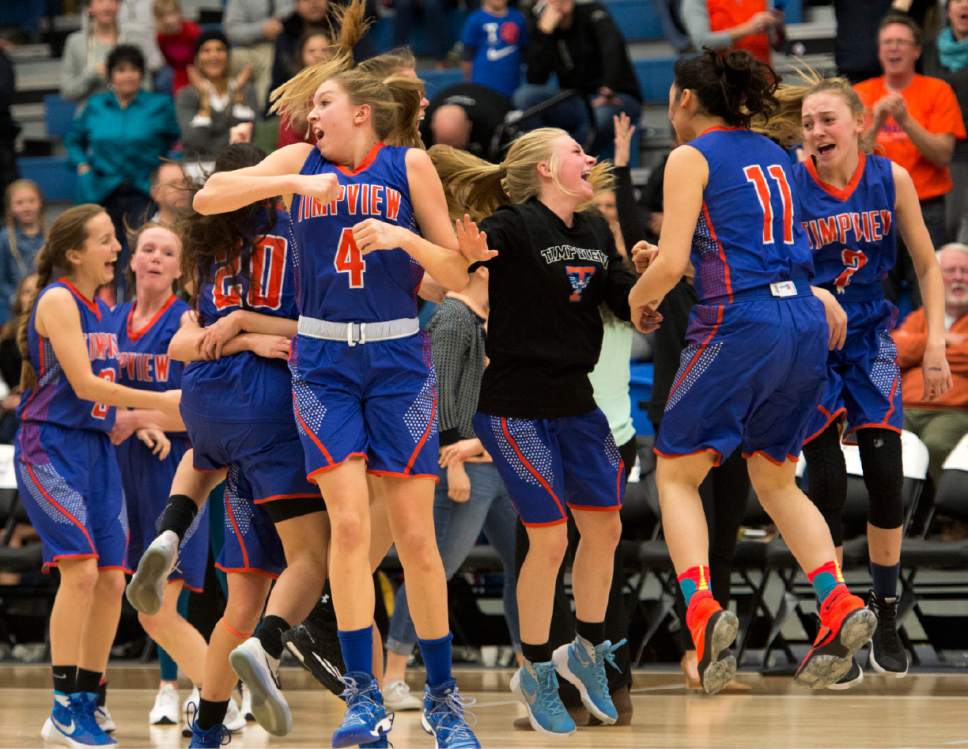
column 580, row 276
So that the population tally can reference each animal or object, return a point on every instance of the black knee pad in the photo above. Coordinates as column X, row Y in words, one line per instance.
column 827, row 479
column 880, row 456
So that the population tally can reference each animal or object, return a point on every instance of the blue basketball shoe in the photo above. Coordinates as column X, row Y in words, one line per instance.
column 366, row 719
column 443, row 717
column 71, row 722
column 536, row 685
column 583, row 664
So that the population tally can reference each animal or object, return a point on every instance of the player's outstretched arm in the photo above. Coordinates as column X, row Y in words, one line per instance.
column 276, row 175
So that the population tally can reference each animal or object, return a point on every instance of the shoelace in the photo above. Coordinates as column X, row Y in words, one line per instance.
column 358, row 700
column 548, row 691
column 218, row 732
column 886, row 631
column 82, row 709
column 606, row 651
column 455, row 722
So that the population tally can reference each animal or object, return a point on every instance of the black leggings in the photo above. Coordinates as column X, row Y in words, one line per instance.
column 880, row 457
column 724, row 494
column 616, row 615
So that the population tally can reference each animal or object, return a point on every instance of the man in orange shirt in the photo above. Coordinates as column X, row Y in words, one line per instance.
column 913, row 120
column 742, row 24
column 940, row 423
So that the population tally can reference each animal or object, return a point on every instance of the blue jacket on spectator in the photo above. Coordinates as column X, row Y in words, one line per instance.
column 494, row 45
column 120, row 145
column 13, row 267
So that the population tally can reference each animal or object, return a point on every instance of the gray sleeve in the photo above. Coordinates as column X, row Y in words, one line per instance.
column 195, row 139
column 243, row 21
column 451, row 335
column 695, row 17
column 77, row 79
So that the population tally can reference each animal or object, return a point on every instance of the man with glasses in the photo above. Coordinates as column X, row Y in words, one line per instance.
column 913, row 120
column 940, row 423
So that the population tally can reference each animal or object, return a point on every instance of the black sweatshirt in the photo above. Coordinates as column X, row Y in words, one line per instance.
column 589, row 54
column 544, row 330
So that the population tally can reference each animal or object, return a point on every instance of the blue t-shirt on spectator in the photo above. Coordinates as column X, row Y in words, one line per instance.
column 495, row 45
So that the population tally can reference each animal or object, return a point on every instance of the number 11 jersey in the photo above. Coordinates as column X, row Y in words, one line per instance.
column 334, row 280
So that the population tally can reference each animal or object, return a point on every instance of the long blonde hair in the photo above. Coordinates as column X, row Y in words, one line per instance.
column 479, row 187
column 11, row 221
column 68, row 232
column 785, row 124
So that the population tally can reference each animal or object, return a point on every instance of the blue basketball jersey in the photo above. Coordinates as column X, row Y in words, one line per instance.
column 748, row 235
column 245, row 387
column 851, row 231
column 335, row 281
column 51, row 398
column 143, row 361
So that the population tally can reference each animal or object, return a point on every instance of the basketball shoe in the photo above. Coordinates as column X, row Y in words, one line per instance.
column 583, row 664
column 888, row 655
column 536, row 686
column 845, row 627
column 713, row 630
column 366, row 719
column 257, row 670
column 443, row 717
column 71, row 722
column 147, row 587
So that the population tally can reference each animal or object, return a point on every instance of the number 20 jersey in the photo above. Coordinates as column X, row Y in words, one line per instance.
column 851, row 230
column 335, row 281
column 245, row 387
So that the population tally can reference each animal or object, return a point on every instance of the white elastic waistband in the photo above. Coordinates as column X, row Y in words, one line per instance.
column 353, row 333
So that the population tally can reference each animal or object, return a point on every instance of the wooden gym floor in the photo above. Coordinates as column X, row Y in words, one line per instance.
column 922, row 710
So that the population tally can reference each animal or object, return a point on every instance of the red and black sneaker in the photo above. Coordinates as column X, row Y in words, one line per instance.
column 846, row 625
column 713, row 631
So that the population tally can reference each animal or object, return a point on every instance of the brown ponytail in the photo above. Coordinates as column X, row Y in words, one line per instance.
column 68, row 232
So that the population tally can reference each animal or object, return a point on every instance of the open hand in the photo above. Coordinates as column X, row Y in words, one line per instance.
column 471, row 242
column 156, row 441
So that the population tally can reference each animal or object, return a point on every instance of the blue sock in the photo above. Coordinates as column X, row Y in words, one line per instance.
column 168, row 667
column 437, row 659
column 357, row 648
column 885, row 580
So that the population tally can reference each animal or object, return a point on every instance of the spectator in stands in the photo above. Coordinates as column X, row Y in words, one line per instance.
column 136, row 20
column 83, row 68
column 214, row 103
column 253, row 27
column 310, row 15
column 946, row 57
column 433, row 18
column 170, row 193
column 914, row 120
column 9, row 129
column 942, row 422
column 494, row 39
column 465, row 115
column 750, row 24
column 855, row 46
column 10, row 358
column 580, row 43
column 21, row 237
column 314, row 47
column 117, row 141
column 176, row 39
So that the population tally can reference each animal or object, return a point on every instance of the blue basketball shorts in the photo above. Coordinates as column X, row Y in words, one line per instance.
column 70, row 486
column 147, row 486
column 549, row 465
column 863, row 378
column 251, row 542
column 376, row 401
column 749, row 377
column 267, row 453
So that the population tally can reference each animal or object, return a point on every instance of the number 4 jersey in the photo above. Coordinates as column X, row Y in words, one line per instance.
column 336, row 282
column 851, row 230
column 51, row 399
